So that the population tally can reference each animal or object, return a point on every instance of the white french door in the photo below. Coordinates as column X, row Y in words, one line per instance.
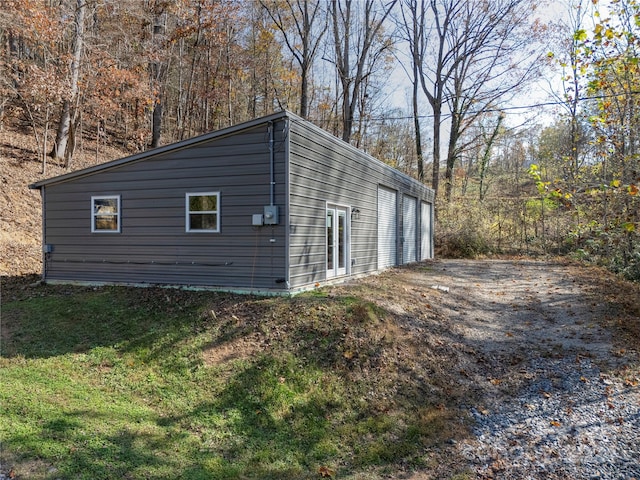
column 338, row 241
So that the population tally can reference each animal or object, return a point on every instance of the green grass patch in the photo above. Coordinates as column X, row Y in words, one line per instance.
column 116, row 383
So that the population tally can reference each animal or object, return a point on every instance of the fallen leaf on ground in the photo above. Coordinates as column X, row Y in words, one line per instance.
column 326, row 472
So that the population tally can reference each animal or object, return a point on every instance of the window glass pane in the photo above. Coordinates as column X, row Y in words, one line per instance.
column 203, row 221
column 106, row 222
column 330, row 240
column 202, row 212
column 106, row 217
column 203, row 203
column 195, row 204
column 105, row 206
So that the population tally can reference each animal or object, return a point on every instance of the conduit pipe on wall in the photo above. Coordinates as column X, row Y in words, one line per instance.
column 271, row 210
column 272, row 160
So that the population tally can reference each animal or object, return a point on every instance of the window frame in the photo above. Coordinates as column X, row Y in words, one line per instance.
column 117, row 215
column 188, row 212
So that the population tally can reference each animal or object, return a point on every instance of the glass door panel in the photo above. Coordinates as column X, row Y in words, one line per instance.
column 330, row 242
column 337, row 227
column 341, row 241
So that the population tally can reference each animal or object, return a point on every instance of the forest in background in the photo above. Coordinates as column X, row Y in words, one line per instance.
column 84, row 76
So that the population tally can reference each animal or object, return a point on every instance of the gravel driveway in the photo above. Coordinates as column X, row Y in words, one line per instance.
column 553, row 396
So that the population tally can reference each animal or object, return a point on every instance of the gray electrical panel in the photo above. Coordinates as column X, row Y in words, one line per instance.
column 271, row 215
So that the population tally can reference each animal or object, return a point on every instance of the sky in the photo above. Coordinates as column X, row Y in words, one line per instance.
column 533, row 106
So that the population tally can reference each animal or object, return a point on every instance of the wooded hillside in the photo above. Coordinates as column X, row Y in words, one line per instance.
column 21, row 213
column 433, row 88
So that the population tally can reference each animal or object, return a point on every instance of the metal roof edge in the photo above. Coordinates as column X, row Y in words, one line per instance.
column 160, row 150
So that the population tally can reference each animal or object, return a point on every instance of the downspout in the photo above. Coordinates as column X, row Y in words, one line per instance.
column 271, row 210
column 272, row 160
column 287, row 206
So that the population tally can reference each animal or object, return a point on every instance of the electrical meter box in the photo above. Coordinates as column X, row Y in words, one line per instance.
column 271, row 215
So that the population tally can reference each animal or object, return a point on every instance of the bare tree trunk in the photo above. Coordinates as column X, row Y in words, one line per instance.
column 480, row 76
column 435, row 173
column 342, row 42
column 304, row 42
column 452, row 155
column 157, row 74
column 413, row 24
column 59, row 151
column 156, row 123
column 486, row 155
column 416, row 124
column 434, row 75
column 352, row 76
column 229, row 81
column 45, row 137
column 62, row 134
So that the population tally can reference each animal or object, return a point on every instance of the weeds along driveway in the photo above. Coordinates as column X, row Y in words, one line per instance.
column 528, row 351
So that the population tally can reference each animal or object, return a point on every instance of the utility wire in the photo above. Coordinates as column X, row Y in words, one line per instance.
column 487, row 110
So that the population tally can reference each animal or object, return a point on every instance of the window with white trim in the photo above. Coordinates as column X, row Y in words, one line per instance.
column 203, row 212
column 105, row 214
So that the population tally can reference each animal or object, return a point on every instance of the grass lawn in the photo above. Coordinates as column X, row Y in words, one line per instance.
column 114, row 382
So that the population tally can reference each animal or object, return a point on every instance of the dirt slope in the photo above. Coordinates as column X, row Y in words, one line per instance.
column 20, row 209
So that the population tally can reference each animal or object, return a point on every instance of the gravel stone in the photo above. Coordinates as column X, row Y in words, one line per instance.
column 554, row 400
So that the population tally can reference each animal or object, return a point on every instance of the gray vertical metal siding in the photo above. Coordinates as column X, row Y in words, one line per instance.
column 153, row 246
column 324, row 169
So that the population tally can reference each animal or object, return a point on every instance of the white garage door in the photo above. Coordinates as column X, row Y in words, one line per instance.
column 426, row 246
column 409, row 229
column 386, row 227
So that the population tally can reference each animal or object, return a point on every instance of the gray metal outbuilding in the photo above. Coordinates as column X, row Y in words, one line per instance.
column 274, row 205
